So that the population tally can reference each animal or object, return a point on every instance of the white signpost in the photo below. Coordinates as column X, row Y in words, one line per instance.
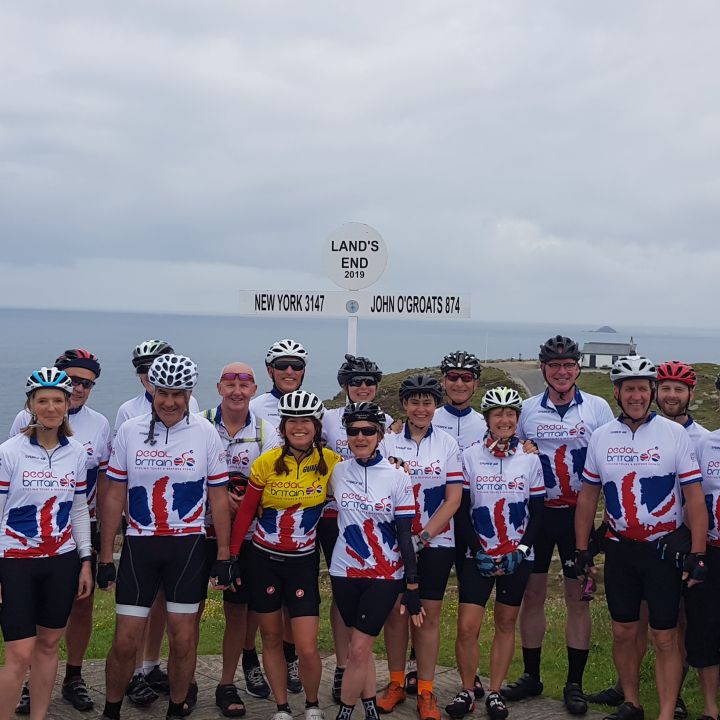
column 355, row 257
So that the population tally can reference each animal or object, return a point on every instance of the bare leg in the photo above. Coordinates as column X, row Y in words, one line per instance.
column 426, row 640
column 627, row 662
column 18, row 655
column 79, row 630
column 271, row 630
column 668, row 669
column 127, row 642
column 233, row 635
column 396, row 639
column 181, row 662
column 305, row 632
column 532, row 611
column 709, row 685
column 355, row 679
column 467, row 650
column 503, row 644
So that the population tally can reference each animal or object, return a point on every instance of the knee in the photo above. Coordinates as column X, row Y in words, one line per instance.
column 505, row 626
column 182, row 643
column 467, row 631
column 535, row 595
column 17, row 660
column 358, row 653
column 46, row 645
column 624, row 632
column 307, row 650
column 272, row 638
column 664, row 641
column 576, row 608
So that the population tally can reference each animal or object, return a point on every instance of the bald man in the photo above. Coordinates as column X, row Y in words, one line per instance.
column 245, row 436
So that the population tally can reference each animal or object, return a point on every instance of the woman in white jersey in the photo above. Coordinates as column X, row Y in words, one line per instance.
column 45, row 549
column 499, row 516
column 374, row 556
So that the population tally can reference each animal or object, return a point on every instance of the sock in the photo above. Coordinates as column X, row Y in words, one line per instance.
column 577, row 660
column 249, row 659
column 138, row 671
column 289, row 650
column 284, row 708
column 150, row 665
column 424, row 686
column 314, row 703
column 412, row 653
column 371, row 710
column 112, row 709
column 176, row 709
column 338, row 678
column 345, row 712
column 531, row 660
column 397, row 677
column 72, row 671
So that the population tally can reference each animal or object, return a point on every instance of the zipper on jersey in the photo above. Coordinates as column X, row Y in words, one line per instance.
column 50, row 455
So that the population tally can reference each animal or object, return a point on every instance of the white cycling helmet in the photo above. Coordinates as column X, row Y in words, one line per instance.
column 286, row 348
column 501, row 397
column 48, row 377
column 301, row 403
column 148, row 350
column 173, row 372
column 633, row 366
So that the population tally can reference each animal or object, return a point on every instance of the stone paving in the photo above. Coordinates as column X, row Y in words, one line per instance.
column 208, row 674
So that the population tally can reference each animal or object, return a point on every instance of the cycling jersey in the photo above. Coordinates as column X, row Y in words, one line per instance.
column 467, row 426
column 291, row 503
column 696, row 432
column 500, row 491
column 140, row 405
column 709, row 460
column 434, row 463
column 167, row 482
column 43, row 511
column 256, row 437
column 369, row 496
column 266, row 406
column 562, row 441
column 92, row 431
column 641, row 475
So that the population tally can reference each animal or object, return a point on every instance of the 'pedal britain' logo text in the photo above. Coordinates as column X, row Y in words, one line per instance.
column 628, row 455
column 559, row 431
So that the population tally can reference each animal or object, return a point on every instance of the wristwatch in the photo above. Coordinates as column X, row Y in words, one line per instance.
column 425, row 536
column 524, row 549
column 86, row 558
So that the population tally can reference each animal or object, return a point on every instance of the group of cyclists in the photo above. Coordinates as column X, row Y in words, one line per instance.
column 245, row 496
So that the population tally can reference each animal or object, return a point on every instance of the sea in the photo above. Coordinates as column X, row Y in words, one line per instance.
column 33, row 338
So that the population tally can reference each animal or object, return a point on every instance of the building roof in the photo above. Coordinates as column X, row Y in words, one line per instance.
column 608, row 348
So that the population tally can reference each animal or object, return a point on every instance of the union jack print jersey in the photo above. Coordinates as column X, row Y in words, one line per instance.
column 642, row 474
column 709, row 459
column 167, row 482
column 38, row 488
column 467, row 426
column 369, row 497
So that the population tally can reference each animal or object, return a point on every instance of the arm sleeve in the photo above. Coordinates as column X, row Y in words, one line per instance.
column 244, row 516
column 405, row 543
column 535, row 511
column 80, row 521
column 463, row 524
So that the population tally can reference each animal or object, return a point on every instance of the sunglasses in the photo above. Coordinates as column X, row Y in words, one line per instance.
column 455, row 376
column 358, row 381
column 289, row 365
column 567, row 366
column 366, row 431
column 237, row 376
column 82, row 382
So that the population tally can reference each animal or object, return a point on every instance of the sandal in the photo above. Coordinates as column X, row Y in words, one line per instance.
column 227, row 695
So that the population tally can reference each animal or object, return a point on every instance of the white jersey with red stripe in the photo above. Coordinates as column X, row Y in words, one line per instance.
column 434, row 463
column 140, row 405
column 642, row 475
column 242, row 449
column 335, row 438
column 709, row 460
column 38, row 488
column 266, row 406
column 167, row 482
column 467, row 426
column 562, row 441
column 370, row 496
column 696, row 432
column 92, row 431
column 500, row 492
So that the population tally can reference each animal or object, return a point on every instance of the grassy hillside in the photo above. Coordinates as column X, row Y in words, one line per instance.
column 387, row 395
column 705, row 409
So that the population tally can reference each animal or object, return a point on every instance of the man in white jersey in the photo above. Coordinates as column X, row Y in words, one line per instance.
column 165, row 467
column 646, row 468
column 285, row 363
column 675, row 392
column 92, row 431
column 245, row 437
column 560, row 421
column 149, row 679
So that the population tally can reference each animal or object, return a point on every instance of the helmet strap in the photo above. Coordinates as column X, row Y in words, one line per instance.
column 646, row 412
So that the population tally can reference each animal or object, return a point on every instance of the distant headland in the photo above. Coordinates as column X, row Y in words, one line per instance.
column 604, row 329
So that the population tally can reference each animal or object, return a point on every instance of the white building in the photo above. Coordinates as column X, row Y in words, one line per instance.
column 604, row 354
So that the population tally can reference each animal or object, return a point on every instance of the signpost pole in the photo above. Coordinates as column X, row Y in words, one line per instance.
column 352, row 335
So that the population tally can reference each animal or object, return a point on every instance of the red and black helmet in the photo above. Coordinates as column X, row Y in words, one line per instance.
column 677, row 371
column 78, row 357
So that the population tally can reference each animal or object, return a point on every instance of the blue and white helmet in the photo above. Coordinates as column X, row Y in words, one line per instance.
column 48, row 377
column 173, row 372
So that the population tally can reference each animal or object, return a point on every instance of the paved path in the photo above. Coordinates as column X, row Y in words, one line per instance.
column 208, row 674
column 525, row 372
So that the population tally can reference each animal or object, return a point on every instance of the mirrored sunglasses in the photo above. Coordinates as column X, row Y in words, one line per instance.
column 229, row 376
column 453, row 376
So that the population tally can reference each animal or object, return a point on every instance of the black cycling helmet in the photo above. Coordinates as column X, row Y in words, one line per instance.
column 78, row 357
column 559, row 348
column 358, row 366
column 368, row 411
column 460, row 360
column 421, row 385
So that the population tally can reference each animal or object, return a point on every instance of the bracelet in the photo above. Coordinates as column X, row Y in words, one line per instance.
column 86, row 558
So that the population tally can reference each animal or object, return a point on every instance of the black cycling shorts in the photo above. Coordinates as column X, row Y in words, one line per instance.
column 327, row 535
column 634, row 571
column 702, row 637
column 365, row 603
column 175, row 562
column 557, row 527
column 37, row 591
column 434, row 565
column 278, row 581
column 241, row 594
column 509, row 589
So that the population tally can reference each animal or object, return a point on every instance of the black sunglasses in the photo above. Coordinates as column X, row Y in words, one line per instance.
column 285, row 364
column 87, row 384
column 358, row 381
column 366, row 431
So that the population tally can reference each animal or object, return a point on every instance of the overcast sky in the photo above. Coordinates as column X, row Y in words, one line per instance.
column 559, row 160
